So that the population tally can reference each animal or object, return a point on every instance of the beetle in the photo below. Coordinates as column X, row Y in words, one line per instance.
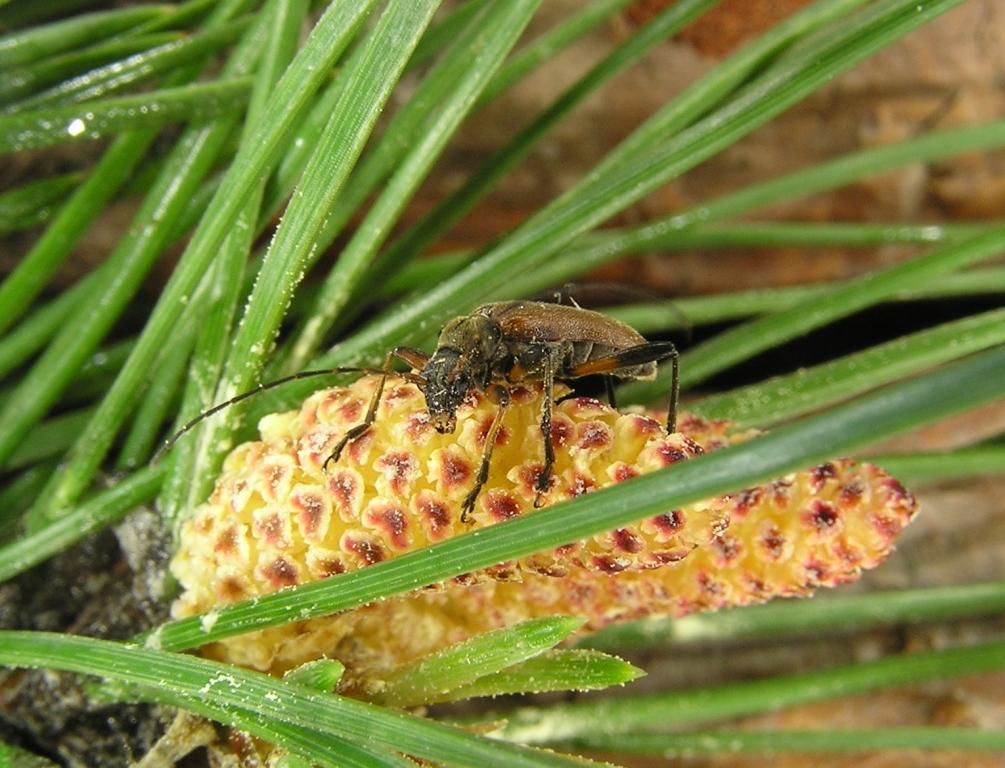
column 495, row 348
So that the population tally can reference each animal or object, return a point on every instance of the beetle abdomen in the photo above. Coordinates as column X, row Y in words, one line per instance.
column 536, row 321
column 585, row 351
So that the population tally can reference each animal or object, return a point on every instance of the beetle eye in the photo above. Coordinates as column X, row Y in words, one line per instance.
column 459, row 387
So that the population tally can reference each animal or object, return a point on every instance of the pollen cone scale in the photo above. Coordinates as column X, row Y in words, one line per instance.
column 276, row 518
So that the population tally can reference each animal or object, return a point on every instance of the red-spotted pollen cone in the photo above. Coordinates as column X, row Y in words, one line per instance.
column 276, row 518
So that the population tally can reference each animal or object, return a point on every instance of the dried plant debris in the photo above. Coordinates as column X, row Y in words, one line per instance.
column 107, row 586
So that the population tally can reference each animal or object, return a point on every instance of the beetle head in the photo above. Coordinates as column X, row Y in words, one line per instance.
column 461, row 362
column 446, row 384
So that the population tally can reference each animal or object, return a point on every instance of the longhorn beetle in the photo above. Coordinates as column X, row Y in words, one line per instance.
column 496, row 346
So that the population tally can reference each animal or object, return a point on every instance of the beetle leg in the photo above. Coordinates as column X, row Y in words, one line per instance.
column 410, row 356
column 414, row 357
column 609, row 386
column 544, row 478
column 567, row 396
column 561, row 295
column 264, row 386
column 502, row 396
column 651, row 352
column 674, row 392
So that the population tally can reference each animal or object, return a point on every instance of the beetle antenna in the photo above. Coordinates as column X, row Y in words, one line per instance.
column 169, row 443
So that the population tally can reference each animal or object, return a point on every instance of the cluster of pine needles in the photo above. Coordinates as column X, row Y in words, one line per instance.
column 220, row 119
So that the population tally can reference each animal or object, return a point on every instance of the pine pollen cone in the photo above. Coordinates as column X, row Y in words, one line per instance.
column 276, row 518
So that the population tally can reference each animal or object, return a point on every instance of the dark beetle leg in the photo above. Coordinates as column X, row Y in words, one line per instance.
column 544, row 478
column 565, row 292
column 609, row 386
column 405, row 353
column 414, row 357
column 502, row 396
column 411, row 356
column 674, row 392
column 651, row 352
column 567, row 396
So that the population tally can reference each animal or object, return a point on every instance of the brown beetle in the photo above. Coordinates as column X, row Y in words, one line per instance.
column 500, row 345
